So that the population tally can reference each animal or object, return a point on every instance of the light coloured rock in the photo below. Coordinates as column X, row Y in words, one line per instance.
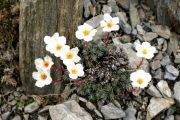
column 90, row 106
column 17, row 118
column 130, row 114
column 31, row 107
column 177, row 92
column 177, row 58
column 95, row 21
column 140, row 30
column 98, row 113
column 164, row 88
column 106, row 9
column 69, row 110
column 160, row 41
column 158, row 74
column 134, row 15
column 26, row 116
column 148, row 36
column 123, row 22
column 124, row 3
column 155, row 64
column 87, row 5
column 40, row 117
column 110, row 111
column 157, row 105
column 165, row 61
column 173, row 44
column 134, row 60
column 171, row 72
column 5, row 115
column 162, row 31
column 152, row 90
column 171, row 117
column 113, row 5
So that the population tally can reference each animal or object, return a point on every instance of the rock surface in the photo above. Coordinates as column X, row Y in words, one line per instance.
column 110, row 111
column 134, row 15
column 31, row 107
column 69, row 110
column 164, row 88
column 171, row 72
column 130, row 113
column 157, row 105
column 153, row 91
column 177, row 92
column 161, row 30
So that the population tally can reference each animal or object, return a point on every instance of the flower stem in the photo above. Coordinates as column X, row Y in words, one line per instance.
column 59, row 69
column 57, row 80
column 140, row 64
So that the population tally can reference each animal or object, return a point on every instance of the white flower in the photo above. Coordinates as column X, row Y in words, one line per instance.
column 75, row 70
column 43, row 78
column 110, row 24
column 145, row 50
column 85, row 32
column 44, row 64
column 56, row 45
column 140, row 79
column 48, row 39
column 69, row 56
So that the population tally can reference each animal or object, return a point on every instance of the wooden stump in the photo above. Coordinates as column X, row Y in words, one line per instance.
column 39, row 18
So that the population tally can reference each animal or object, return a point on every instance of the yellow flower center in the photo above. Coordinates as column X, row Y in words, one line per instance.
column 69, row 55
column 74, row 71
column 145, row 51
column 86, row 32
column 109, row 25
column 140, row 81
column 58, row 47
column 46, row 64
column 43, row 76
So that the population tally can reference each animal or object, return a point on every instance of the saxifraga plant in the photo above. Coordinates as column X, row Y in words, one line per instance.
column 106, row 73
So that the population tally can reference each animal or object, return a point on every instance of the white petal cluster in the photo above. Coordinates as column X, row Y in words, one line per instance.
column 140, row 79
column 42, row 76
column 85, row 32
column 109, row 23
column 145, row 50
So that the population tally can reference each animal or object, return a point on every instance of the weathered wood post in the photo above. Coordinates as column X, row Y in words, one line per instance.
column 37, row 19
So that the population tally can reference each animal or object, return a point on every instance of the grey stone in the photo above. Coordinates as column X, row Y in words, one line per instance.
column 130, row 113
column 69, row 110
column 164, row 88
column 113, row 5
column 173, row 44
column 82, row 99
column 165, row 45
column 148, row 36
column 134, row 15
column 26, row 116
column 157, row 105
column 87, row 5
column 158, row 74
column 124, row 4
column 159, row 56
column 31, row 107
column 123, row 22
column 98, row 113
column 140, row 30
column 160, row 41
column 90, row 106
column 171, row 72
column 17, row 117
column 162, row 31
column 177, row 117
column 5, row 115
column 95, row 21
column 134, row 32
column 176, row 92
column 40, row 117
column 171, row 117
column 110, row 111
column 152, row 90
column 155, row 64
column 106, row 9
column 165, row 61
column 124, row 38
column 116, row 103
column 177, row 58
